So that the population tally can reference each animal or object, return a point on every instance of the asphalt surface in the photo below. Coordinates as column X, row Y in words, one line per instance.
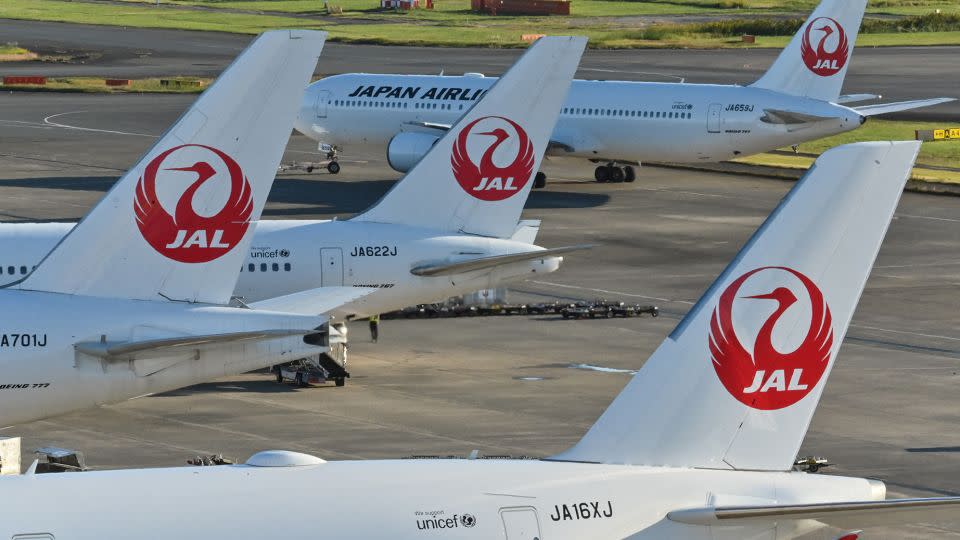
column 896, row 73
column 511, row 385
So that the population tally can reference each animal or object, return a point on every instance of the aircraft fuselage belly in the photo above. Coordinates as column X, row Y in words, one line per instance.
column 42, row 374
column 415, row 499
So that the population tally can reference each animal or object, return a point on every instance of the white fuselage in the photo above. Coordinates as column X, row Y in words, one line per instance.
column 42, row 374
column 602, row 120
column 292, row 256
column 408, row 499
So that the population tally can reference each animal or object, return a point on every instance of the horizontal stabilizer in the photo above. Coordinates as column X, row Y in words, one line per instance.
column 482, row 263
column 124, row 350
column 526, row 231
column 777, row 116
column 886, row 108
column 314, row 301
column 856, row 98
column 843, row 515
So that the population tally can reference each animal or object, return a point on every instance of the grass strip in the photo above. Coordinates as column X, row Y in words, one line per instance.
column 932, row 154
column 98, row 85
column 452, row 24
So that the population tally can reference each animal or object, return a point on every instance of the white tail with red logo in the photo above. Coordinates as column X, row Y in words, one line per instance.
column 815, row 62
column 177, row 224
column 737, row 382
column 477, row 177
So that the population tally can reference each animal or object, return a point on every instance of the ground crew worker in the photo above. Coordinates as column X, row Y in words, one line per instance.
column 374, row 328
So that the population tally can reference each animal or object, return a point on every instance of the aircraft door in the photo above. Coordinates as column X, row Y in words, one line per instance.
column 331, row 267
column 521, row 523
column 713, row 118
column 323, row 98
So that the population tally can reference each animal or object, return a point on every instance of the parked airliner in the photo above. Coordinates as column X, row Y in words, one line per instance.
column 134, row 300
column 698, row 446
column 447, row 228
column 620, row 124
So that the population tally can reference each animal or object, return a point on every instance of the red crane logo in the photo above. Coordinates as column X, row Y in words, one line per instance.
column 819, row 60
column 769, row 379
column 489, row 181
column 187, row 236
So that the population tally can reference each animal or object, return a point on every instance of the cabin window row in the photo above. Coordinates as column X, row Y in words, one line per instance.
column 626, row 113
column 12, row 270
column 392, row 104
column 264, row 267
column 371, row 104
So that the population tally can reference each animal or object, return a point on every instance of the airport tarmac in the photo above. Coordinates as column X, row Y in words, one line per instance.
column 896, row 73
column 521, row 386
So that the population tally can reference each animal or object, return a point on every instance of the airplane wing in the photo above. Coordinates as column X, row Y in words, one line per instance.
column 481, row 263
column 778, row 116
column 124, row 350
column 429, row 125
column 314, row 301
column 842, row 515
column 884, row 108
column 856, row 98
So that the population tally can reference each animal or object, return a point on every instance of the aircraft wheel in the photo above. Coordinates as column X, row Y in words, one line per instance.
column 339, row 381
column 601, row 174
column 617, row 174
column 302, row 380
column 540, row 181
column 631, row 174
column 279, row 377
column 333, row 167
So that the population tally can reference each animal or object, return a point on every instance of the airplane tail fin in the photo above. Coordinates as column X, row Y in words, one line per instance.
column 477, row 177
column 737, row 382
column 177, row 224
column 815, row 62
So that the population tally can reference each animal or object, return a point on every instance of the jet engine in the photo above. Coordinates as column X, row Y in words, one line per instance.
column 407, row 148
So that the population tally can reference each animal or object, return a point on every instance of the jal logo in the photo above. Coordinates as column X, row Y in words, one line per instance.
column 832, row 48
column 776, row 371
column 210, row 199
column 506, row 158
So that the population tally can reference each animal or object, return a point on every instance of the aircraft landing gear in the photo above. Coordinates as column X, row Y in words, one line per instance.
column 540, row 181
column 333, row 167
column 614, row 174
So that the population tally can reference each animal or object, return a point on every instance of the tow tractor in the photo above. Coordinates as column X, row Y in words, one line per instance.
column 811, row 464
column 330, row 163
column 302, row 372
column 327, row 366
